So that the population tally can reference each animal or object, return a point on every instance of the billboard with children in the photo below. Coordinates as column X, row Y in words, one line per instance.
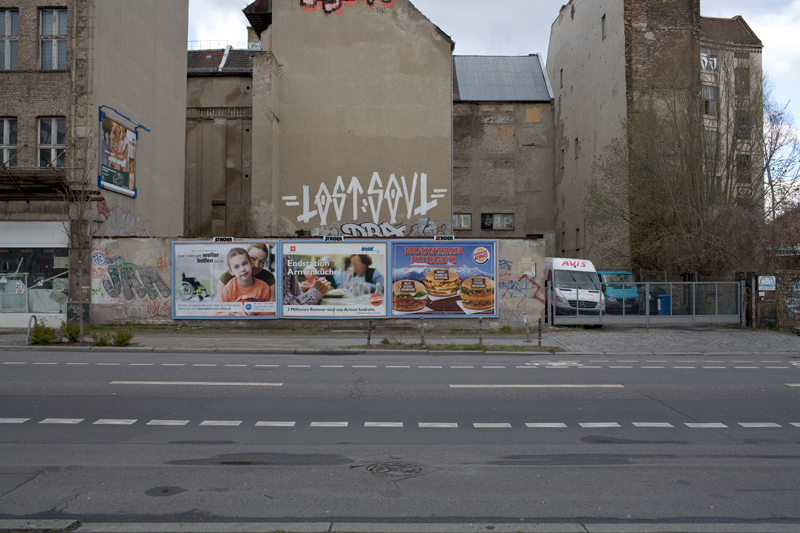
column 444, row 279
column 117, row 157
column 224, row 280
column 334, row 279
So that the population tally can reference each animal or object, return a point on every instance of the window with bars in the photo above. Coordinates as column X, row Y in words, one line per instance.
column 742, row 125
column 52, row 39
column 9, row 39
column 52, row 141
column 8, row 141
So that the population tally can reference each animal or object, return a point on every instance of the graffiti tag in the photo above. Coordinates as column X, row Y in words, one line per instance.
column 334, row 7
column 423, row 227
column 133, row 281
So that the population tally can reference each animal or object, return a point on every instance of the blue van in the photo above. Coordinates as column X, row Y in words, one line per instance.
column 620, row 292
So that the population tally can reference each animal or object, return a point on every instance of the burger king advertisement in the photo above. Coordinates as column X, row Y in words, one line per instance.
column 444, row 279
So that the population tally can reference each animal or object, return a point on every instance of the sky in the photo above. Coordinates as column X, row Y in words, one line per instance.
column 522, row 27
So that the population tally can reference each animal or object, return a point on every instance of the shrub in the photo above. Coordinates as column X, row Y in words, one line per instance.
column 101, row 338
column 41, row 334
column 122, row 337
column 385, row 341
column 71, row 331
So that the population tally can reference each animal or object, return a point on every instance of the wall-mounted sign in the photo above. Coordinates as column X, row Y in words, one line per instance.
column 444, row 280
column 334, row 279
column 224, row 280
column 767, row 283
column 117, row 156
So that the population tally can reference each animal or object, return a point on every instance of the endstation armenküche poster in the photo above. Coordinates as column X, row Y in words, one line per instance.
column 231, row 280
column 444, row 279
column 334, row 279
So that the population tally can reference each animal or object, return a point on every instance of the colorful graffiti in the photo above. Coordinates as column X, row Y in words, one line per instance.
column 334, row 7
column 395, row 191
column 520, row 294
column 121, row 223
column 792, row 303
column 424, row 227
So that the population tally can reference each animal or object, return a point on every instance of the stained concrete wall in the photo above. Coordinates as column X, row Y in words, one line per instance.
column 503, row 163
column 364, row 93
column 788, row 296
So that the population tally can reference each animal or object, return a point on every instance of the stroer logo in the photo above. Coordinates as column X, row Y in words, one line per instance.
column 480, row 255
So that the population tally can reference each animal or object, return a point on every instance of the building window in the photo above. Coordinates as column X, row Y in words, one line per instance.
column 9, row 39
column 8, row 141
column 711, row 149
column 52, row 141
column 708, row 59
column 577, row 147
column 741, row 78
column 603, row 26
column 742, row 125
column 462, row 221
column 743, row 168
column 709, row 100
column 741, row 55
column 497, row 221
column 577, row 239
column 52, row 39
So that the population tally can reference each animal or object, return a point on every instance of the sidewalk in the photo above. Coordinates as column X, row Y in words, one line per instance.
column 702, row 340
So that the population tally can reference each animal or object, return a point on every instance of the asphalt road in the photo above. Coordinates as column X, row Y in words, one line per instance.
column 143, row 437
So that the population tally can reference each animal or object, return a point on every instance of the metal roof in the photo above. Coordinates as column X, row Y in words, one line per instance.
column 501, row 79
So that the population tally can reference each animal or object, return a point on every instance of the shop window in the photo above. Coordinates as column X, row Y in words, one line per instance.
column 53, row 39
column 462, row 221
column 8, row 142
column 52, row 142
column 9, row 39
column 34, row 280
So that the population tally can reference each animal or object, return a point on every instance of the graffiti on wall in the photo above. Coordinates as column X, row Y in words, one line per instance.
column 401, row 198
column 519, row 293
column 424, row 227
column 792, row 302
column 121, row 223
column 334, row 7
column 118, row 281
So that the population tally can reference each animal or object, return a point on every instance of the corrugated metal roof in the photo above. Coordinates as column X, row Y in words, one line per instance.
column 501, row 79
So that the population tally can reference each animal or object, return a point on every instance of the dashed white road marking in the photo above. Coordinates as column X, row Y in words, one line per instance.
column 795, row 424
column 709, row 425
column 684, row 367
column 383, row 424
column 276, row 424
column 267, row 366
column 298, row 366
column 491, row 425
column 329, row 424
column 167, row 423
column 614, row 366
column 653, row 425
column 545, row 425
column 61, row 421
column 715, row 367
column 233, row 423
column 652, row 367
column 599, row 425
column 759, row 425
column 45, row 363
column 365, row 366
column 77, row 364
column 438, row 425
column 429, row 366
column 237, row 365
column 173, row 364
column 774, row 367
column 398, row 366
column 204, row 364
column 492, row 367
column 14, row 363
column 460, row 367
column 13, row 420
column 115, row 422
column 537, row 386
column 138, row 364
column 198, row 383
column 107, row 364
column 331, row 366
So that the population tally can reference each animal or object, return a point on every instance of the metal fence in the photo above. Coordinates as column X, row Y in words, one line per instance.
column 647, row 303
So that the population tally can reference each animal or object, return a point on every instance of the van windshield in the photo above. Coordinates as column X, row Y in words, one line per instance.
column 619, row 278
column 573, row 278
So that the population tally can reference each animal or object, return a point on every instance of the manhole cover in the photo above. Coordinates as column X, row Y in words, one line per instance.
column 395, row 470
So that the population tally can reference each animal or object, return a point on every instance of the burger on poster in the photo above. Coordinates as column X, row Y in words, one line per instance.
column 408, row 296
column 477, row 293
column 442, row 282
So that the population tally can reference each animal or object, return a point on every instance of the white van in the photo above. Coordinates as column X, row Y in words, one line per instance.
column 576, row 287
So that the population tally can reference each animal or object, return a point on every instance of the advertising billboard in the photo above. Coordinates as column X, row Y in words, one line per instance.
column 444, row 279
column 334, row 279
column 224, row 280
column 117, row 157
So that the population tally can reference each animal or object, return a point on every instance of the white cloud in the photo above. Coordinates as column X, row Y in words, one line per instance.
column 217, row 23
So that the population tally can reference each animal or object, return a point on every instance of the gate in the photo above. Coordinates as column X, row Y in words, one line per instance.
column 643, row 304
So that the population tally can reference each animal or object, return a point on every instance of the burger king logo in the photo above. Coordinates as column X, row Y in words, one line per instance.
column 480, row 255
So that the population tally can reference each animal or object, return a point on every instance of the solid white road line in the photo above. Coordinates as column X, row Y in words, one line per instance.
column 329, row 424
column 198, row 383
column 759, row 425
column 275, row 424
column 652, row 425
column 438, row 425
column 537, row 386
column 710, row 425
column 491, row 425
column 167, row 423
column 61, row 421
column 13, row 420
column 383, row 424
column 220, row 422
column 115, row 422
column 599, row 425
